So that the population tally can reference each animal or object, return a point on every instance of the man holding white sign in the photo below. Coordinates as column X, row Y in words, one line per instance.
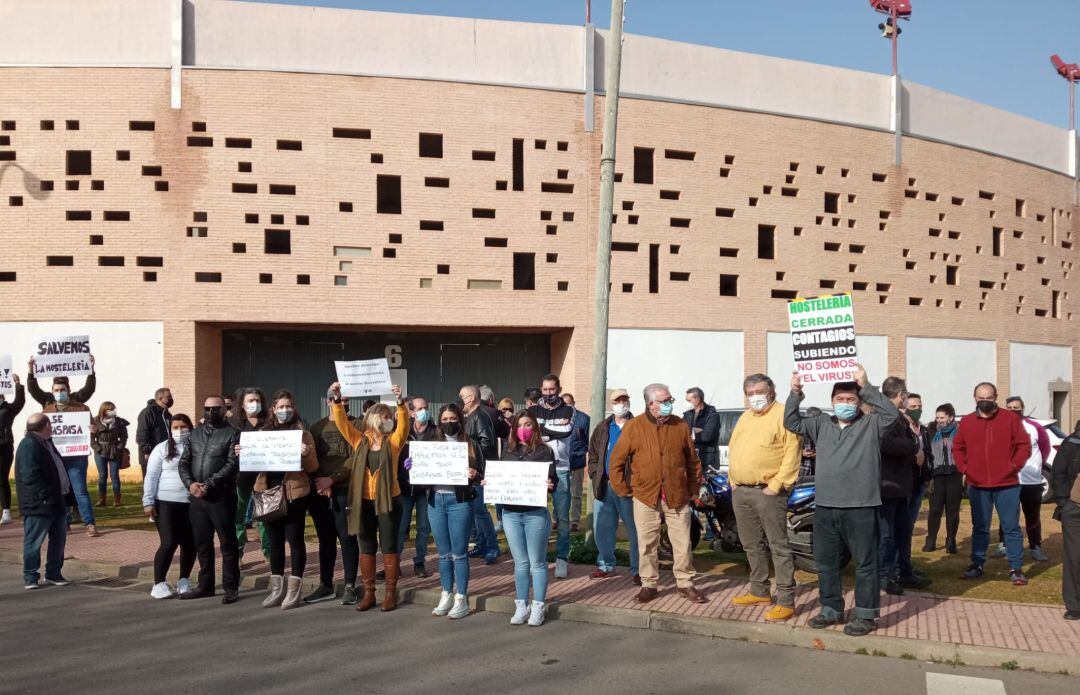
column 823, row 338
column 61, row 400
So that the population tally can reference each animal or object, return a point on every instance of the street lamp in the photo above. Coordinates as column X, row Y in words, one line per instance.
column 890, row 28
column 1071, row 72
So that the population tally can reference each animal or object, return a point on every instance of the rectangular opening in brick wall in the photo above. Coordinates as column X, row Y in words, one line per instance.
column 15, row 201
column 909, row 265
column 654, row 268
column 303, row 279
column 483, row 213
column 1040, row 259
column 376, row 158
column 72, row 185
column 860, row 286
column 852, row 267
column 986, row 195
column 431, row 225
column 545, row 214
column 856, row 248
column 345, row 206
column 352, row 251
column 442, row 269
column 282, row 189
column 1055, row 304
column 245, row 188
column 501, row 185
column 277, row 241
column 78, row 162
column 728, row 252
column 517, row 164
column 540, row 144
column 251, row 217
column 680, row 277
column 431, row 145
column 957, row 200
column 551, row 187
column 883, row 287
column 832, row 203
column 878, row 178
column 341, row 280
column 826, row 284
column 932, row 197
column 483, row 155
column 425, row 283
column 199, row 141
column 783, row 294
column 954, row 234
column 789, row 192
column 198, row 126
column 77, row 215
column 353, row 133
column 631, row 219
column 1021, row 210
column 389, row 253
column 197, row 232
column 524, row 271
column 110, row 261
column 832, row 246
column 238, row 143
column 790, row 178
column 140, row 125
column 998, row 241
column 682, row 222
column 266, row 278
column 725, row 212
column 562, row 285
column 8, row 276
column 149, row 276
column 767, row 190
column 951, row 274
column 161, row 185
column 935, row 232
column 766, row 241
column 97, row 185
column 675, row 248
column 725, row 172
column 495, row 242
column 780, row 275
column 484, row 284
column 303, row 220
column 618, row 177
column 562, row 146
column 627, row 287
column 729, row 285
column 295, row 145
column 851, row 224
column 71, row 125
column 243, row 167
column 684, row 155
column 568, row 216
column 123, row 155
column 664, row 195
column 1040, row 217
column 239, row 247
column 643, row 165
column 388, row 194
column 151, row 170
column 436, row 182
column 47, row 125
column 207, row 277
column 562, row 174
column 97, row 240
column 915, row 301
column 753, row 202
column 117, row 215
column 60, row 260
column 552, row 258
column 631, row 246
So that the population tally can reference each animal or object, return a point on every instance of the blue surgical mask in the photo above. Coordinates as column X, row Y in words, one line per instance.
column 666, row 408
column 846, row 411
column 422, row 416
column 62, row 397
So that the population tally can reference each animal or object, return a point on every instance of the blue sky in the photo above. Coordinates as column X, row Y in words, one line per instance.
column 993, row 51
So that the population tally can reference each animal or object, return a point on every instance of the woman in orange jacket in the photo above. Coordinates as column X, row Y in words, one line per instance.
column 374, row 495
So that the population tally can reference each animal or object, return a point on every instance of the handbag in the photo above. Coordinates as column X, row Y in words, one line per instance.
column 125, row 459
column 270, row 505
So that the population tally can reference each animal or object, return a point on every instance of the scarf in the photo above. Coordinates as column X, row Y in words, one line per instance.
column 384, row 491
column 947, row 431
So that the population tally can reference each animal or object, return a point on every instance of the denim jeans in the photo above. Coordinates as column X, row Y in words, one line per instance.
column 606, row 514
column 527, row 534
column 903, row 553
column 423, row 528
column 450, row 523
column 560, row 499
column 486, row 538
column 76, row 470
column 106, row 469
column 35, row 529
column 1007, row 502
column 894, row 533
column 856, row 528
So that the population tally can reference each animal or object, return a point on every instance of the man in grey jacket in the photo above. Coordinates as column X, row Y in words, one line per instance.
column 848, row 480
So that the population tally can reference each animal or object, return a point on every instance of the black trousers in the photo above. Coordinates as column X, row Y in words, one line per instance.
column 946, row 495
column 1031, row 505
column 856, row 528
column 216, row 516
column 7, row 456
column 332, row 527
column 288, row 528
column 174, row 530
column 386, row 525
column 1070, row 532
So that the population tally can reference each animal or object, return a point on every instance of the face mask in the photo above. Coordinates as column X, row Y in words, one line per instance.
column 169, row 402
column 846, row 411
column 524, row 434
column 986, row 407
column 214, row 415
column 450, row 429
column 621, row 410
column 666, row 408
column 181, row 436
column 253, row 408
column 387, row 426
column 553, row 400
column 758, row 402
column 422, row 416
column 284, row 415
column 915, row 414
column 110, row 414
column 62, row 396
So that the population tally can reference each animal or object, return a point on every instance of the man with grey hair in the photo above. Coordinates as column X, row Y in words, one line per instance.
column 654, row 462
column 763, row 460
column 44, row 491
column 480, row 428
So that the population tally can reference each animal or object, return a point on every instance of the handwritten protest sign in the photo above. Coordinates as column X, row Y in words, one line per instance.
column 439, row 463
column 362, row 378
column 823, row 338
column 71, row 433
column 275, row 451
column 516, row 482
column 64, row 356
column 7, row 384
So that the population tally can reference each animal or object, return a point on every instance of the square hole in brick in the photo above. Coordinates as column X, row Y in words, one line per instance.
column 563, row 285
column 72, row 185
column 552, row 258
column 266, row 278
column 431, row 145
column 277, row 219
column 562, row 174
column 442, row 269
column 47, row 125
column 71, row 125
column 302, row 220
column 46, row 185
column 545, row 214
column 389, row 253
column 344, row 207
column 239, row 247
column 303, row 279
column 376, row 158
column 97, row 185
column 632, row 219
column 552, row 229
column 431, row 225
column 243, row 167
column 97, row 240
column 540, row 144
column 149, row 276
column 500, row 185
column 568, row 216
column 395, row 238
column 425, row 283
column 15, row 201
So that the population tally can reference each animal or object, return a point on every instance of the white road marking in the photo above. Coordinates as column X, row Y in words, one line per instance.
column 948, row 684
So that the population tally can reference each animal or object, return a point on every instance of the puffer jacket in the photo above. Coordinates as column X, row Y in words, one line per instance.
column 210, row 458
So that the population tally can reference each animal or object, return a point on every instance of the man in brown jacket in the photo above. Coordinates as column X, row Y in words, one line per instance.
column 666, row 473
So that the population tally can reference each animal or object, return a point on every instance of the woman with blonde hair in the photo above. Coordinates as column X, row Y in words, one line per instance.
column 374, row 494
column 108, row 439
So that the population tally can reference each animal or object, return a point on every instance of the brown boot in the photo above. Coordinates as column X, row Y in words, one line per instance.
column 367, row 577
column 101, row 501
column 116, row 500
column 393, row 571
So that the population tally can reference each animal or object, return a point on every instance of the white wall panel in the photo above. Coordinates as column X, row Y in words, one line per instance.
column 873, row 354
column 1032, row 368
column 946, row 370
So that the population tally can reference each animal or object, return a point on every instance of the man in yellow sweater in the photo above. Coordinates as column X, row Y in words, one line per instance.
column 763, row 463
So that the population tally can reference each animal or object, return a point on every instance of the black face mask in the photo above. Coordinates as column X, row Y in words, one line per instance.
column 168, row 402
column 553, row 400
column 450, row 429
column 986, row 407
column 215, row 415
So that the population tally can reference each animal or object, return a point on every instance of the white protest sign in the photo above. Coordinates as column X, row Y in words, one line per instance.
column 401, row 378
column 361, row 378
column 439, row 463
column 823, row 338
column 71, row 433
column 7, row 384
column 516, row 482
column 275, row 451
column 64, row 356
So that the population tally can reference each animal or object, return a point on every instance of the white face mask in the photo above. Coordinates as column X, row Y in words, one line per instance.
column 110, row 414
column 758, row 402
column 181, row 436
column 284, row 415
column 387, row 426
column 253, row 408
column 620, row 409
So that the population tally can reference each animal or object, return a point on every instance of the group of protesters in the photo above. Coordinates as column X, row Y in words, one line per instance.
column 873, row 461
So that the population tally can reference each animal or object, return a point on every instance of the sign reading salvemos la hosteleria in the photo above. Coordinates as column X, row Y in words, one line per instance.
column 823, row 338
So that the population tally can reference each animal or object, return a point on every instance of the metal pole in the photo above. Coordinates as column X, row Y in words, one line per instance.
column 612, row 68
column 896, row 33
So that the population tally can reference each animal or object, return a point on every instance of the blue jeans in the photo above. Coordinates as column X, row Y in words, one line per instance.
column 450, row 523
column 894, row 534
column 606, row 514
column 423, row 528
column 35, row 528
column 527, row 534
column 106, row 469
column 76, row 470
column 486, row 538
column 560, row 499
column 1007, row 502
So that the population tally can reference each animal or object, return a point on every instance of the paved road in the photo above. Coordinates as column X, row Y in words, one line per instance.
column 83, row 639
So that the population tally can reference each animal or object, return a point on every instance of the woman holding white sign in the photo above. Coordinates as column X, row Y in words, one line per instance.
column 450, row 514
column 527, row 529
column 291, row 526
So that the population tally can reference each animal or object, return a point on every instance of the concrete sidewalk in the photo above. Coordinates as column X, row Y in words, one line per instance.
column 914, row 625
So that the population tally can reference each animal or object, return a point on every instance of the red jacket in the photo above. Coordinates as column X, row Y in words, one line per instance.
column 991, row 451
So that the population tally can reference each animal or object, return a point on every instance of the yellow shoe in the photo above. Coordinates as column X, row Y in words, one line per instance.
column 778, row 613
column 750, row 600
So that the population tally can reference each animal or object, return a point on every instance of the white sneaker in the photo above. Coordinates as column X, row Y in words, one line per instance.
column 536, row 617
column 30, row 587
column 560, row 569
column 161, row 590
column 5, row 518
column 521, row 612
column 446, row 600
column 183, row 586
column 461, row 606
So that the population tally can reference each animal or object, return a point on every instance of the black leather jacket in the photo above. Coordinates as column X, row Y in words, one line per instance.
column 210, row 458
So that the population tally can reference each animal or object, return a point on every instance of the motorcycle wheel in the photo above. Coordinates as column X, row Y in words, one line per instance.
column 665, row 550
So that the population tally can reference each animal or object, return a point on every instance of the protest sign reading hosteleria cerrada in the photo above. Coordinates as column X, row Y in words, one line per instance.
column 823, row 338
